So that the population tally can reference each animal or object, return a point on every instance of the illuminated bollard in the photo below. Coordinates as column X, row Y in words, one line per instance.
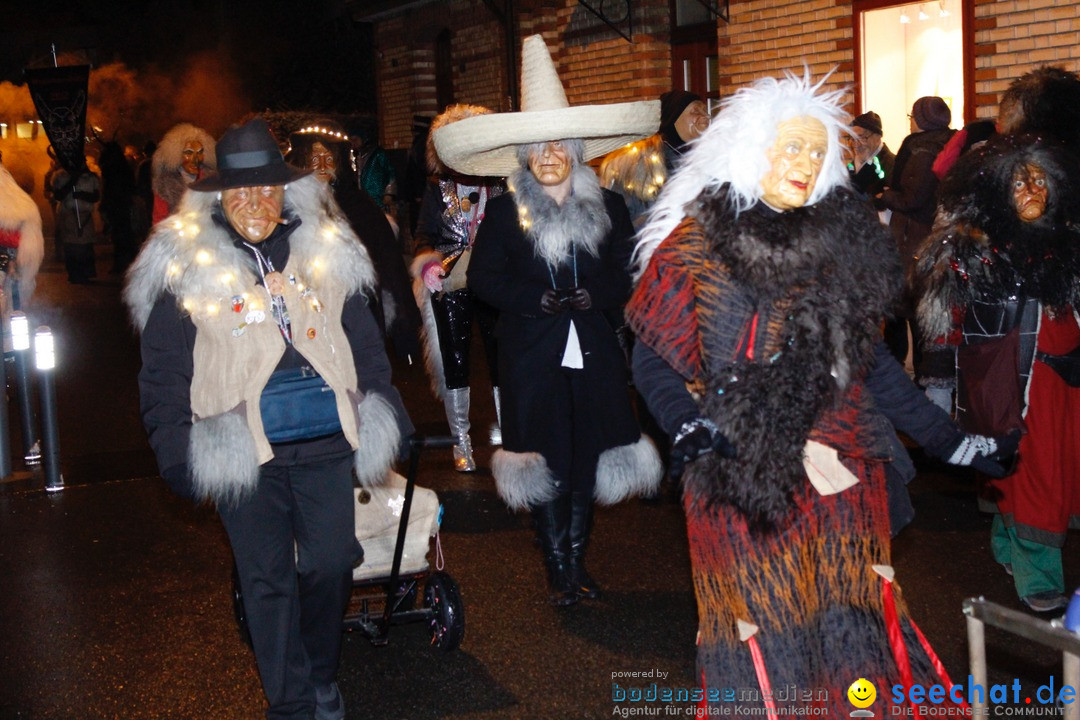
column 45, row 360
column 20, row 343
column 5, row 430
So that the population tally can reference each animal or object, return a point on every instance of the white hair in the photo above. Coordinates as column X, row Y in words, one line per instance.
column 733, row 151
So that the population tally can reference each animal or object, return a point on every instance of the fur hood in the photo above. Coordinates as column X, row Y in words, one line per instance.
column 194, row 259
column 167, row 178
column 979, row 249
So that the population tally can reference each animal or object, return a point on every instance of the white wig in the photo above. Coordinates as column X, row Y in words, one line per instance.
column 733, row 151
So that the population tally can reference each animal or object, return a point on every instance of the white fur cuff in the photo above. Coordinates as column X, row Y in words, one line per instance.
column 222, row 456
column 379, row 439
column 522, row 479
column 628, row 470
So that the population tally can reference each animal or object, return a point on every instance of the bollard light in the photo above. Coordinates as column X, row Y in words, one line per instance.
column 45, row 359
column 20, row 331
column 20, row 343
column 44, row 349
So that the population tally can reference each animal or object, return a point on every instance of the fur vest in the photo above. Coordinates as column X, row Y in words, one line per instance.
column 238, row 344
column 783, row 317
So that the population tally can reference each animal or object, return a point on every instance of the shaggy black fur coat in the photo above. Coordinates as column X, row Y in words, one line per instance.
column 820, row 278
column 981, row 250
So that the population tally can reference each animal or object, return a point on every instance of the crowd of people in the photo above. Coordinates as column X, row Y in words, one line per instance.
column 759, row 277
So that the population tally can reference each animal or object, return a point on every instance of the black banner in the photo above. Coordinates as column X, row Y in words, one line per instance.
column 60, row 95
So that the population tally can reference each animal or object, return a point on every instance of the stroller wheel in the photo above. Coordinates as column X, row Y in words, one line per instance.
column 447, row 623
column 238, row 609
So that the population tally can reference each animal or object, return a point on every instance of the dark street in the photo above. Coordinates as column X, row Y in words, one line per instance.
column 115, row 595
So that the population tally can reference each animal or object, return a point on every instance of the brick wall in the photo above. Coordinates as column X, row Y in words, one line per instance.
column 766, row 37
column 1013, row 37
column 594, row 62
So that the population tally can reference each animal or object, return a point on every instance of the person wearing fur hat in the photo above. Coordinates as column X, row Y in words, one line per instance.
column 325, row 150
column 183, row 156
column 911, row 197
column 251, row 305
column 639, row 170
column 451, row 212
column 763, row 277
column 998, row 282
column 552, row 256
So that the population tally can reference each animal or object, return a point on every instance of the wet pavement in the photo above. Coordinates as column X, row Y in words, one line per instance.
column 115, row 595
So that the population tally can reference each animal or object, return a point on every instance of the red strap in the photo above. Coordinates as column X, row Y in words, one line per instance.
column 753, row 338
column 936, row 663
column 896, row 642
column 759, row 669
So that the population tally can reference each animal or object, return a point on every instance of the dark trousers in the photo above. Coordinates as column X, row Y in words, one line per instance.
column 294, row 544
column 79, row 262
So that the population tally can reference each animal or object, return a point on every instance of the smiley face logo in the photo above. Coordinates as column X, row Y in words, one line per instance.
column 862, row 693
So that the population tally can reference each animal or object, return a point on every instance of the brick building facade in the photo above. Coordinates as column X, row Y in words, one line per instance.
column 1003, row 40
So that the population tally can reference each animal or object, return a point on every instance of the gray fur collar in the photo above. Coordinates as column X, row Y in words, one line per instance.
column 581, row 222
column 194, row 259
column 170, row 186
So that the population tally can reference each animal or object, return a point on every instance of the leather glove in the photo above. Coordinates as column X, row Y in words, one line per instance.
column 432, row 275
column 694, row 439
column 580, row 299
column 550, row 303
column 995, row 457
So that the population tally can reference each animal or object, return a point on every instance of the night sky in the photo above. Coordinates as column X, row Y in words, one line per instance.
column 210, row 57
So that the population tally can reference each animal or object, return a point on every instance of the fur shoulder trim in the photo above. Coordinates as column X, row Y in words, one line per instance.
column 191, row 257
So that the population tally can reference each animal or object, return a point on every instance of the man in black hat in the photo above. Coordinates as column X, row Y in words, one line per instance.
column 871, row 163
column 264, row 388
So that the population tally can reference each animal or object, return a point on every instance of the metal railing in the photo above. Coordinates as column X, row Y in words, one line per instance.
column 981, row 612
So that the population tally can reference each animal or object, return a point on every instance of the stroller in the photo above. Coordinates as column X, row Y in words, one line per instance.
column 394, row 524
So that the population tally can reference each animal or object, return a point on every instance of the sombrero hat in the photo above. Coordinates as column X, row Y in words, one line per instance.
column 486, row 145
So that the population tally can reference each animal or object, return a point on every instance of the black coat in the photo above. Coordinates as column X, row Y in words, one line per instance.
column 506, row 273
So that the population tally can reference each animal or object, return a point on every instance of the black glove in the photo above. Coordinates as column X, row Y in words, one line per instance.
column 579, row 299
column 995, row 457
column 550, row 302
column 694, row 439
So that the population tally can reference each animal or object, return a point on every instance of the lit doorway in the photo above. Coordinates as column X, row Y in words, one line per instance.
column 907, row 51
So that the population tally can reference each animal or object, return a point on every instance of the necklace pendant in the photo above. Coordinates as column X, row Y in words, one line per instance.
column 466, row 205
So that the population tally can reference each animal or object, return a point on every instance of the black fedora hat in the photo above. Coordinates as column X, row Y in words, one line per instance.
column 248, row 156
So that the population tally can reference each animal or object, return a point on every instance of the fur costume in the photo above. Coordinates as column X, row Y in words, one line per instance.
column 980, row 249
column 168, row 180
column 453, row 113
column 20, row 217
column 815, row 280
column 1044, row 102
column 204, row 270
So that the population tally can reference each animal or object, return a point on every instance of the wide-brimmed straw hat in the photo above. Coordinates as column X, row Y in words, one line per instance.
column 248, row 156
column 486, row 145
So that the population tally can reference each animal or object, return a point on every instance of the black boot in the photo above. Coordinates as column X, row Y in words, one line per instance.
column 581, row 509
column 553, row 533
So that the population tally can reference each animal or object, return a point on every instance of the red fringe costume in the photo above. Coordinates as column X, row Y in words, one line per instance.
column 770, row 318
